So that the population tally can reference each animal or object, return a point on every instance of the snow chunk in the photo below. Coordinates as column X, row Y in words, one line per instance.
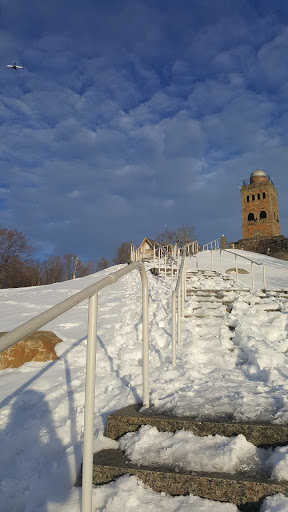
column 276, row 503
column 189, row 452
column 279, row 463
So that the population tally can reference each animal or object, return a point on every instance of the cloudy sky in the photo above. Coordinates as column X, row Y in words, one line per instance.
column 133, row 115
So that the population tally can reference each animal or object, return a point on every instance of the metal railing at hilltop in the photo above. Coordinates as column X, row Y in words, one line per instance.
column 214, row 247
column 253, row 262
column 91, row 293
column 247, row 182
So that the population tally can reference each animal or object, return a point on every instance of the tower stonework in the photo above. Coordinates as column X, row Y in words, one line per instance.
column 260, row 215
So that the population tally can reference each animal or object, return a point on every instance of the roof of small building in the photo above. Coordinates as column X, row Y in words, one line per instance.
column 149, row 240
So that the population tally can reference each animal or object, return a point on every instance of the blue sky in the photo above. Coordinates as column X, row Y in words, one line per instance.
column 133, row 115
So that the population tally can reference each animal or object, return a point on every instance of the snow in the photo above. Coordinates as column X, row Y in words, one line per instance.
column 193, row 453
column 229, row 364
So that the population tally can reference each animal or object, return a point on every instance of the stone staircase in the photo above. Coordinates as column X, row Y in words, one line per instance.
column 245, row 490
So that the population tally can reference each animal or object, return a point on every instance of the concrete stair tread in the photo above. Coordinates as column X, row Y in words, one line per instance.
column 237, row 489
column 244, row 490
column 132, row 417
column 217, row 291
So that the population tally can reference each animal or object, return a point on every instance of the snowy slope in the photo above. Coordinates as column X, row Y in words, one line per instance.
column 41, row 419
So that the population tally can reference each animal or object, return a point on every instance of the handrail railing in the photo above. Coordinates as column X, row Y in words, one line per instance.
column 214, row 243
column 136, row 254
column 174, row 259
column 193, row 245
column 178, row 307
column 91, row 293
column 252, row 266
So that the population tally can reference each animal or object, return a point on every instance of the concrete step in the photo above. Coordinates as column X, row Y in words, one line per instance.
column 244, row 490
column 217, row 291
column 131, row 418
column 247, row 492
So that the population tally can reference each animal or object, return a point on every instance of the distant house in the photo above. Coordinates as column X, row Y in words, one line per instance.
column 147, row 247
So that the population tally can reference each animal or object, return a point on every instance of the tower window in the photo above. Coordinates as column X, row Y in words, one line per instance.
column 263, row 215
column 258, row 196
column 247, row 199
column 253, row 197
column 251, row 216
column 264, row 195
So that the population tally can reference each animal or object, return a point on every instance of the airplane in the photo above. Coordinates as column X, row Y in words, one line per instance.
column 14, row 66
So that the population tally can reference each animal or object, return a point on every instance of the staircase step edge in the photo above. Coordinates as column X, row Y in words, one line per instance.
column 130, row 419
column 111, row 463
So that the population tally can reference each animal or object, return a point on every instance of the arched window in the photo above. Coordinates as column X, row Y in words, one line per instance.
column 247, row 199
column 253, row 197
column 251, row 216
column 263, row 215
column 264, row 195
column 258, row 196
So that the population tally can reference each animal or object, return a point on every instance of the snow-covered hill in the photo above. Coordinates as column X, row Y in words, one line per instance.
column 243, row 374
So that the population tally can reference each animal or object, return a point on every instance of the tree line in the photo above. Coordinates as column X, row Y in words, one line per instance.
column 18, row 268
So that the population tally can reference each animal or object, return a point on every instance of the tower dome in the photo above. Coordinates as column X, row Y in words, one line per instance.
column 257, row 176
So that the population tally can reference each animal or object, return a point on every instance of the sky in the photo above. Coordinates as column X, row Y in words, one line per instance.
column 136, row 115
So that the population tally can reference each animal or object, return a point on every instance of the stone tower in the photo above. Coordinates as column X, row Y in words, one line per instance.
column 260, row 216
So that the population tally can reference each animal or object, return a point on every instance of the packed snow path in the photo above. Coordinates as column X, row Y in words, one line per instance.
column 234, row 347
column 42, row 403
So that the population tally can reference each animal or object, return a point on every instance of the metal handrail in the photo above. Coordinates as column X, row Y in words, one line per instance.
column 91, row 293
column 194, row 246
column 180, row 294
column 136, row 254
column 167, row 254
column 252, row 266
column 215, row 242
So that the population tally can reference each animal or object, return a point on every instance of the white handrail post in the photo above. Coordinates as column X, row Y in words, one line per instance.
column 185, row 281
column 173, row 329
column 264, row 277
column 172, row 272
column 197, row 261
column 221, row 262
column 154, row 255
column 179, row 314
column 165, row 263
column 252, row 273
column 145, row 338
column 182, row 291
column 236, row 268
column 88, row 444
column 211, row 258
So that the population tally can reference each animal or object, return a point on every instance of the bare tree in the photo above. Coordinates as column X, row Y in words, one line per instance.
column 85, row 268
column 123, row 253
column 53, row 270
column 181, row 236
column 14, row 250
column 102, row 264
column 70, row 262
column 18, row 269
